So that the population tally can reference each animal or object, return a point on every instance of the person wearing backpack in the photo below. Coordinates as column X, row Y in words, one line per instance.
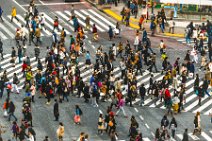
column 11, row 111
column 15, row 130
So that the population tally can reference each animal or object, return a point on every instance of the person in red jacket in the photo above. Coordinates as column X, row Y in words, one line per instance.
column 24, row 67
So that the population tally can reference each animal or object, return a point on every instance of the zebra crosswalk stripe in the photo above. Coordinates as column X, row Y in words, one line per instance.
column 66, row 18
column 6, row 30
column 206, row 136
column 2, row 36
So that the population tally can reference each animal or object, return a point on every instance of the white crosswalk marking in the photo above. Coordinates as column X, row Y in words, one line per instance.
column 2, row 36
column 202, row 107
column 208, row 138
column 95, row 19
column 102, row 18
column 6, row 30
column 209, row 111
column 146, row 139
column 194, row 137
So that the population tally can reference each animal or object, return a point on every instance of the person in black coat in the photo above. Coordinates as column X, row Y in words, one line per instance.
column 142, row 91
column 56, row 110
column 1, row 87
column 86, row 93
column 185, row 135
column 1, row 49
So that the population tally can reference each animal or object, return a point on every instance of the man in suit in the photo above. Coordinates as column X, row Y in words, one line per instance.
column 56, row 110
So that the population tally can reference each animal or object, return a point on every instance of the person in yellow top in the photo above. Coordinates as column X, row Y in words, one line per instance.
column 38, row 35
column 62, row 35
column 13, row 14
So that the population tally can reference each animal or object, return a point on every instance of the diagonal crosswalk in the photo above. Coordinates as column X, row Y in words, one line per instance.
column 7, row 29
column 183, row 41
column 191, row 104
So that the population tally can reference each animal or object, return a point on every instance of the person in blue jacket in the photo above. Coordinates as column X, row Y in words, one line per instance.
column 1, row 12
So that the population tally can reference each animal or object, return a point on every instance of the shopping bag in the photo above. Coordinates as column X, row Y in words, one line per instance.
column 5, row 113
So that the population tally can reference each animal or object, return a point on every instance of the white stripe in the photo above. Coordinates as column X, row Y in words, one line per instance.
column 147, row 125
column 208, row 138
column 66, row 18
column 9, row 24
column 83, row 17
column 141, row 117
column 102, row 18
column 193, row 136
column 180, row 136
column 53, row 4
column 2, row 36
column 19, row 5
column 136, row 110
column 209, row 111
column 96, row 20
column 16, row 22
column 48, row 25
column 205, row 105
column 194, row 104
column 6, row 30
column 146, row 139
column 52, row 21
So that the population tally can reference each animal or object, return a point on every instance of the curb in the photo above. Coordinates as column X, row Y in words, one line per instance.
column 118, row 18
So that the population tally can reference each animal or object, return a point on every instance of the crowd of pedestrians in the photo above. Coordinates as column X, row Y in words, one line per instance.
column 51, row 82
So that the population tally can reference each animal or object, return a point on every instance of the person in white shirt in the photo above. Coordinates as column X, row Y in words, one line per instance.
column 171, row 26
column 42, row 22
column 136, row 41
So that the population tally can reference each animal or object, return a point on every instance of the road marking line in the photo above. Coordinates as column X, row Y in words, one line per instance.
column 146, row 126
column 208, row 138
column 3, row 36
column 141, row 117
column 20, row 5
column 100, row 111
column 146, row 139
column 49, row 4
column 209, row 111
column 202, row 107
column 6, row 30
column 136, row 110
column 193, row 136
column 66, row 18
column 89, row 41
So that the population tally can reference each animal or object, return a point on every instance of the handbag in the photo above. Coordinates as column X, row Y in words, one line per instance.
column 5, row 113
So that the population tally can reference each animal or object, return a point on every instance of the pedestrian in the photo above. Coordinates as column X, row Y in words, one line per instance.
column 164, row 122
column 37, row 52
column 13, row 55
column 78, row 114
column 1, row 49
column 15, row 130
column 185, row 135
column 60, row 131
column 20, row 54
column 101, row 124
column 141, row 20
column 87, row 22
column 32, row 132
column 120, row 106
column 56, row 110
column 171, row 26
column 33, row 91
column 136, row 41
column 38, row 35
column 197, row 125
column 56, row 23
column 110, row 33
column 11, row 111
column 13, row 14
column 1, row 12
column 142, row 92
column 15, row 83
column 173, row 126
column 2, row 85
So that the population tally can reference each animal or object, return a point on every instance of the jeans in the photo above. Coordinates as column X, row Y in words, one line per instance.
column 188, row 40
column 15, row 87
column 1, row 93
column 121, row 108
column 12, row 114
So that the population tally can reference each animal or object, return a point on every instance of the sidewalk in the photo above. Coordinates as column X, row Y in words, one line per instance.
column 114, row 12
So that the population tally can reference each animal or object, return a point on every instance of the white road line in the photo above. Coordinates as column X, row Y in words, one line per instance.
column 101, row 17
column 193, row 136
column 147, row 126
column 141, row 117
column 52, row 4
column 48, row 25
column 83, row 17
column 136, row 110
column 208, row 138
column 9, row 24
column 194, row 104
column 100, row 111
column 6, row 30
column 2, row 36
column 209, row 111
column 19, row 5
column 66, row 18
column 180, row 136
column 16, row 22
column 202, row 107
column 146, row 139
column 95, row 19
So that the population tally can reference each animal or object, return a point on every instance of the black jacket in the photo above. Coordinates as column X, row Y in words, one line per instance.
column 1, row 47
column 56, row 109
column 142, row 91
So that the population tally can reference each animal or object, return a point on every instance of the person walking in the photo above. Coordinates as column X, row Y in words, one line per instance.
column 56, row 110
column 101, row 123
column 11, row 111
column 173, row 126
column 38, row 35
column 15, row 83
column 110, row 33
column 185, row 135
column 87, row 22
column 33, row 91
column 60, row 131
column 142, row 92
column 121, row 103
column 13, row 55
column 1, row 49
column 20, row 54
column 78, row 114
column 1, row 12
column 37, row 52
column 13, row 14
